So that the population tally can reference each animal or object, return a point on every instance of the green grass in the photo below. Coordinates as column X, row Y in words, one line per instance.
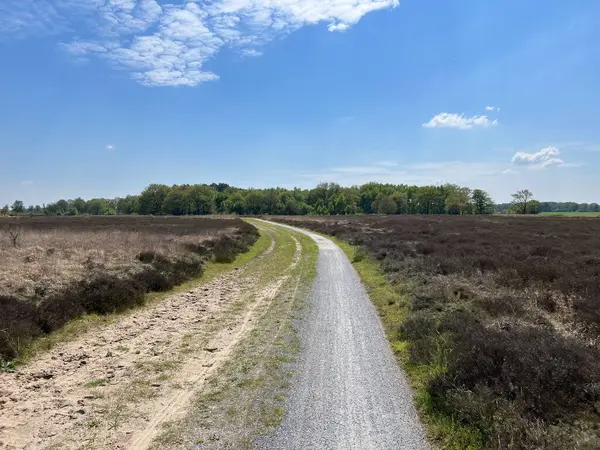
column 571, row 214
column 95, row 383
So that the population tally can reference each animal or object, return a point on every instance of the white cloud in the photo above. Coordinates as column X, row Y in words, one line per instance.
column 169, row 44
column 251, row 52
column 110, row 147
column 499, row 179
column 491, row 108
column 338, row 27
column 546, row 157
column 460, row 121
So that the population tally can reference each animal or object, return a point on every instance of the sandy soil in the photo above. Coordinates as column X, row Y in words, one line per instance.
column 115, row 387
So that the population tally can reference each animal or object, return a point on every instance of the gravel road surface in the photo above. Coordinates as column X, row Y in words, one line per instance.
column 349, row 392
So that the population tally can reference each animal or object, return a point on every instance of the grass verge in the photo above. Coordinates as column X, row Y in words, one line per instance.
column 393, row 310
column 246, row 397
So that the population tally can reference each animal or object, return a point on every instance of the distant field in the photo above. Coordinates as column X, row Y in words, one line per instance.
column 54, row 269
column 571, row 214
column 496, row 319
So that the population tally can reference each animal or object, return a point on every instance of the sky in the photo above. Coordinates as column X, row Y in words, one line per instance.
column 100, row 98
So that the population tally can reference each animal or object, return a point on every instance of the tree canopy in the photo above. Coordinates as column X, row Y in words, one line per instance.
column 324, row 199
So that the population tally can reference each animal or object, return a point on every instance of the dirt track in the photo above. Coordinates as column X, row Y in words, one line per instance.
column 115, row 387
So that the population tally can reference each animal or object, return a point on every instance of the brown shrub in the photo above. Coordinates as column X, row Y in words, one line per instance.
column 513, row 303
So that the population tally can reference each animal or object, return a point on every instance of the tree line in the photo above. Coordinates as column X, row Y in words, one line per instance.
column 325, row 199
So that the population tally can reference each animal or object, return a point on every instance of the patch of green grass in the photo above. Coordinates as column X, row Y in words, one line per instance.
column 571, row 214
column 95, row 383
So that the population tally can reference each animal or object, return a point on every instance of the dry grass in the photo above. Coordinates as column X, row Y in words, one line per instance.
column 47, row 261
column 63, row 267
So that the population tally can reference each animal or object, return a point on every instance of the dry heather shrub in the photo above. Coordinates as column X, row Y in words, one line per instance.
column 67, row 267
column 503, row 323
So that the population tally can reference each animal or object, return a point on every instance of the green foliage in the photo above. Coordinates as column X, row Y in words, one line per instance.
column 386, row 205
column 521, row 203
column 152, row 199
column 326, row 199
column 4, row 211
column 18, row 207
column 482, row 202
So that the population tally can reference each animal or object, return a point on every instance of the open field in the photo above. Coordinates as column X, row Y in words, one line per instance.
column 496, row 320
column 571, row 214
column 54, row 269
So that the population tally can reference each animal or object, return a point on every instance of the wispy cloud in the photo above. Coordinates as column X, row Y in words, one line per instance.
column 169, row 44
column 546, row 157
column 26, row 183
column 491, row 108
column 460, row 121
column 251, row 52
column 420, row 173
column 110, row 147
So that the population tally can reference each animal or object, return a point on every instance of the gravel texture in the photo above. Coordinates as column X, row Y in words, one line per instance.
column 349, row 392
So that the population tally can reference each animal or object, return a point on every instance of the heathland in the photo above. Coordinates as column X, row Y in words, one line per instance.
column 496, row 320
column 55, row 269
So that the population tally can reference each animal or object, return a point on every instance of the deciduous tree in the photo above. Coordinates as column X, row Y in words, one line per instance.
column 521, row 200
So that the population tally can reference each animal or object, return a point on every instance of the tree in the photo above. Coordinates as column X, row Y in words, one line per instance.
column 18, row 207
column 152, row 198
column 386, row 205
column 80, row 205
column 235, row 204
column 127, row 205
column 99, row 207
column 482, row 202
column 521, row 200
column 533, row 207
column 175, row 202
column 201, row 199
column 4, row 211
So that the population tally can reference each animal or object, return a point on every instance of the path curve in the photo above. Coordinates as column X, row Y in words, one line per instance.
column 349, row 392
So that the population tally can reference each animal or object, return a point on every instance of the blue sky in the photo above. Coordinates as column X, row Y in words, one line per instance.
column 101, row 98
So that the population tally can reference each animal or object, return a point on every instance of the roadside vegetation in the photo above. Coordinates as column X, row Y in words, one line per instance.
column 496, row 320
column 53, row 270
column 246, row 398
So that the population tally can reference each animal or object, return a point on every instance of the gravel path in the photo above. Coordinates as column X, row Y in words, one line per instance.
column 349, row 391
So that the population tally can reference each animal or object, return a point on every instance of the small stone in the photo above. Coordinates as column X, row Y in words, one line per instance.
column 156, row 385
